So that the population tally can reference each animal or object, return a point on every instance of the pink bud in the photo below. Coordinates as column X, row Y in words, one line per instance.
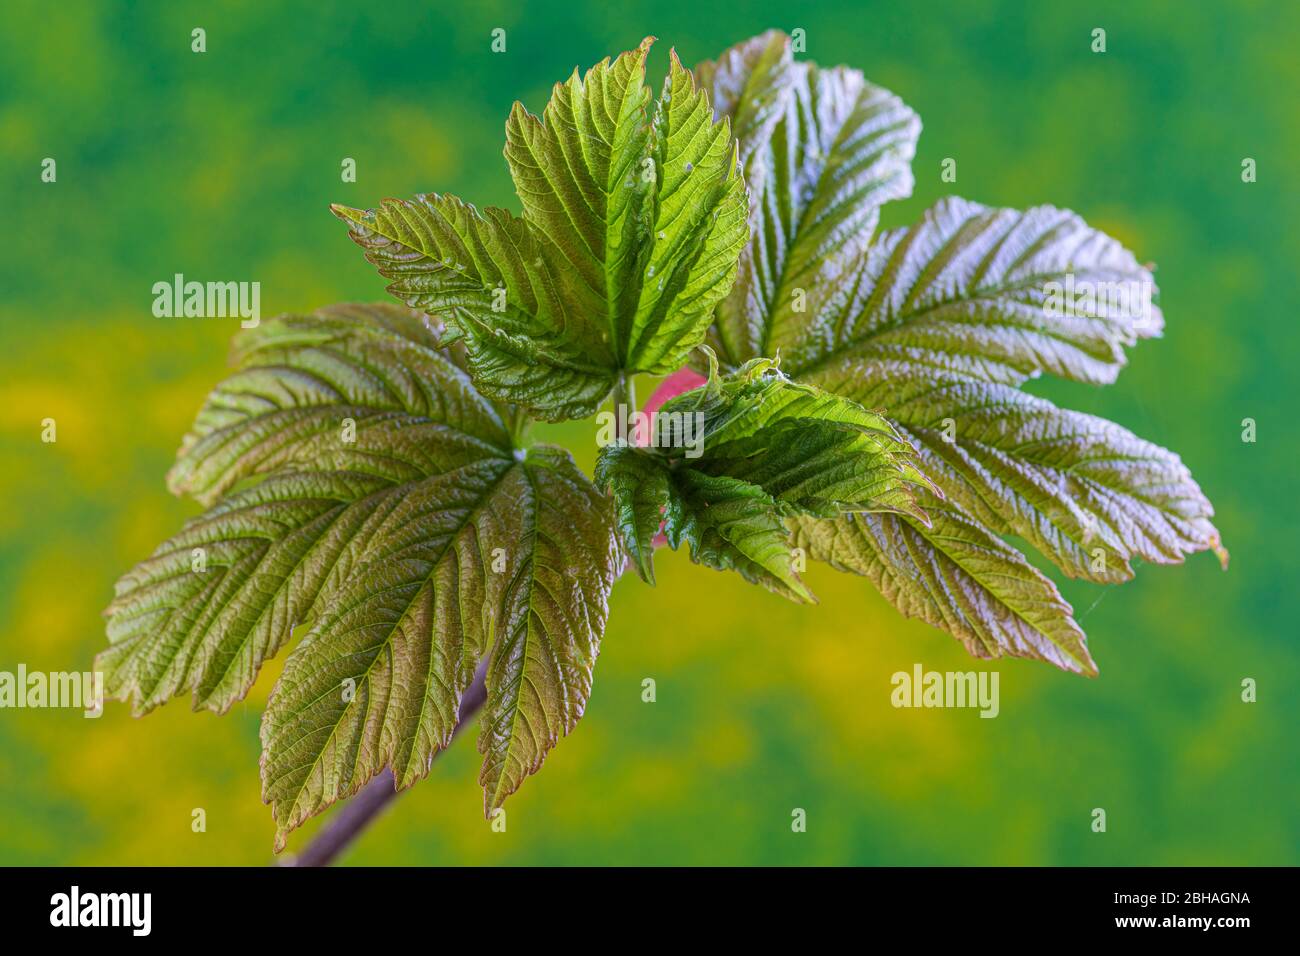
column 682, row 380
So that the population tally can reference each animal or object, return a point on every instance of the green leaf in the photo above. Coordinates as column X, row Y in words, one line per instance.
column 205, row 620
column 993, row 294
column 822, row 150
column 577, row 171
column 641, row 486
column 513, row 558
column 733, row 525
column 729, row 524
column 748, row 84
column 491, row 278
column 632, row 225
column 301, row 379
column 936, row 326
column 218, row 599
column 813, row 466
column 553, row 608
column 809, row 446
column 416, row 548
column 939, row 327
column 763, row 448
column 697, row 232
column 1087, row 493
column 954, row 575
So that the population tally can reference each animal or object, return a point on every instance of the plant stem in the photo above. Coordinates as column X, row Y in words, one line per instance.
column 360, row 811
column 624, row 404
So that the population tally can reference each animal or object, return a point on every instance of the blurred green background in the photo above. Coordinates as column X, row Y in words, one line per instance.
column 221, row 166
